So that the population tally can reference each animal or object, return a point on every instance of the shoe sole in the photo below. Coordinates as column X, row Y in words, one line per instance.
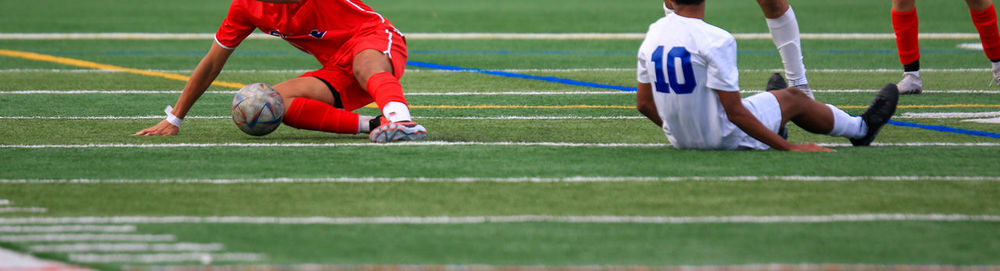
column 395, row 132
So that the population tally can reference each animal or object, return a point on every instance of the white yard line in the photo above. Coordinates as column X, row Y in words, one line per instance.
column 87, row 237
column 438, row 143
column 13, row 261
column 987, row 121
column 466, row 93
column 67, row 228
column 131, row 247
column 947, row 115
column 575, row 179
column 204, row 258
column 877, row 70
column 906, row 115
column 7, row 210
column 471, row 36
column 482, row 267
column 507, row 219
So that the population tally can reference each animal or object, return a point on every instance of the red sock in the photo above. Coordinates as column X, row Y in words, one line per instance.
column 310, row 114
column 986, row 23
column 905, row 24
column 385, row 88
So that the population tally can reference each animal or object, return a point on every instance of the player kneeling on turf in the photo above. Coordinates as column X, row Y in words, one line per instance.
column 362, row 53
column 689, row 86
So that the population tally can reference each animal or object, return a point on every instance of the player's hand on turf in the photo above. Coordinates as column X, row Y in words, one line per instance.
column 809, row 147
column 163, row 128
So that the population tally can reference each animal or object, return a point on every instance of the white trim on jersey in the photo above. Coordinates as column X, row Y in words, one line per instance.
column 362, row 9
column 388, row 49
column 216, row 38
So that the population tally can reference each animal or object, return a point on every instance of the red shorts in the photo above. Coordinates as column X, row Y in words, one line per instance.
column 340, row 75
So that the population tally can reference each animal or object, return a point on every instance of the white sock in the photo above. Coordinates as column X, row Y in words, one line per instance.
column 363, row 125
column 785, row 33
column 845, row 125
column 396, row 112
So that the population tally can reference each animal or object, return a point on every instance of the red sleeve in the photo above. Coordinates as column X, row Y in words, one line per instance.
column 235, row 28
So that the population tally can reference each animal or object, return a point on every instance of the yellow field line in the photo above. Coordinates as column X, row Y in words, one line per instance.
column 95, row 65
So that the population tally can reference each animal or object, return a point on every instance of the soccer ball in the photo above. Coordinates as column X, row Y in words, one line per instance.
column 258, row 109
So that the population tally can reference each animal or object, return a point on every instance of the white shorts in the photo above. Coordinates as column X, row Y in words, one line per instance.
column 765, row 107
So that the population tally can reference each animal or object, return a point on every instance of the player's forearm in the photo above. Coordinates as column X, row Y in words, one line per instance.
column 646, row 105
column 202, row 77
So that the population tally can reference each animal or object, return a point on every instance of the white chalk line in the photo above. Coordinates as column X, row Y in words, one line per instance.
column 130, row 247
column 575, row 179
column 472, row 36
column 4, row 202
column 906, row 115
column 425, row 70
column 987, row 121
column 481, row 267
column 461, row 93
column 204, row 258
column 29, row 238
column 947, row 115
column 443, row 143
column 7, row 210
column 68, row 228
column 506, row 219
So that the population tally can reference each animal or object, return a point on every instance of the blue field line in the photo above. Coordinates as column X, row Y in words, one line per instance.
column 518, row 75
column 945, row 129
column 428, row 65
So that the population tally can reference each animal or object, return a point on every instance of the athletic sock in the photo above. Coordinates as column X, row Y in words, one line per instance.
column 912, row 67
column 986, row 23
column 906, row 26
column 785, row 34
column 365, row 124
column 388, row 94
column 310, row 114
column 846, row 125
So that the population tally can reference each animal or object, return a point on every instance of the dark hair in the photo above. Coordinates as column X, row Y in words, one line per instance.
column 689, row 2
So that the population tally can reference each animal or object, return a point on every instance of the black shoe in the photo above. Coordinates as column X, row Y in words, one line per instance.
column 776, row 82
column 375, row 122
column 878, row 113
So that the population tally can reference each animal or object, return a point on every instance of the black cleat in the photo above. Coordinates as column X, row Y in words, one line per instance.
column 776, row 82
column 376, row 122
column 878, row 113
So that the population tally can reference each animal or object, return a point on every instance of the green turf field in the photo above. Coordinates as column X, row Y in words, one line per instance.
column 515, row 172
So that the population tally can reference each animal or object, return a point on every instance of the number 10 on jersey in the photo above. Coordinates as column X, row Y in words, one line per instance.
column 662, row 83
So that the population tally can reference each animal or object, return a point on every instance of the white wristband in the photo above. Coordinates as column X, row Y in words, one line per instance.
column 171, row 118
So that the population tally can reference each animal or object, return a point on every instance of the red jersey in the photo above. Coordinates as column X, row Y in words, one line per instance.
column 318, row 27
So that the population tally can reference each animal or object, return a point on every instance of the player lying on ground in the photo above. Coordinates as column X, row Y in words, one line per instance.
column 784, row 30
column 688, row 85
column 362, row 53
column 904, row 22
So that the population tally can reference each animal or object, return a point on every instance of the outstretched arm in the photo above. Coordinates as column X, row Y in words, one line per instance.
column 739, row 115
column 203, row 75
column 644, row 102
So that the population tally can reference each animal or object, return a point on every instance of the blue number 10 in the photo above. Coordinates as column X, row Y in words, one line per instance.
column 671, row 71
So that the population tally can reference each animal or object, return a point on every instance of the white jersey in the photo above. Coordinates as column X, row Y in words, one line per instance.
column 685, row 59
